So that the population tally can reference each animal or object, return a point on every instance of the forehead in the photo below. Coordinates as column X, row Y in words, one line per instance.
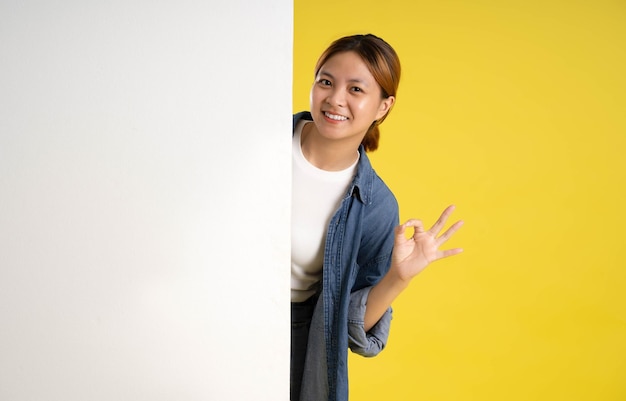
column 346, row 63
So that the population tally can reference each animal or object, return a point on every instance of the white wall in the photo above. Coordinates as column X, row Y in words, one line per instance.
column 144, row 199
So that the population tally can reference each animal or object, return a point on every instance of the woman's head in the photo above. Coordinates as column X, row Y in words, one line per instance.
column 383, row 64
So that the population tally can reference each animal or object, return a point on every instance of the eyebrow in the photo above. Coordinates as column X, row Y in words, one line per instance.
column 353, row 80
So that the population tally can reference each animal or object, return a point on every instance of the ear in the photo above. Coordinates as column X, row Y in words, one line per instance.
column 385, row 105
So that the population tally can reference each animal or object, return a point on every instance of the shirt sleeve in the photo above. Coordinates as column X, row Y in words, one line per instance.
column 363, row 343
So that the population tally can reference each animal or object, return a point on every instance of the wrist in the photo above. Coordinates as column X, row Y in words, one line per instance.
column 395, row 282
column 399, row 275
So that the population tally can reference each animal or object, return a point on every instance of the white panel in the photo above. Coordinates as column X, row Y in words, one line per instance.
column 144, row 200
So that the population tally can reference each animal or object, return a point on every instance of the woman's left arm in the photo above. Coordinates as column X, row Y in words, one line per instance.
column 410, row 256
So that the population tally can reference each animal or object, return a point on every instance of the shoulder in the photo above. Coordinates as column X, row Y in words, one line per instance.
column 376, row 193
column 382, row 194
column 383, row 203
column 303, row 115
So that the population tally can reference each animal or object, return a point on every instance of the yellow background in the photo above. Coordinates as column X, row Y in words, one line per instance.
column 515, row 111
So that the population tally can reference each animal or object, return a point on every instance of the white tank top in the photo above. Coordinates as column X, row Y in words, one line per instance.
column 316, row 195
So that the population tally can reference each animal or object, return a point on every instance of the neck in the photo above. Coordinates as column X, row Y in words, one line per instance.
column 327, row 154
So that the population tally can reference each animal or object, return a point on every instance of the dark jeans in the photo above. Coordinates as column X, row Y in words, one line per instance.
column 301, row 315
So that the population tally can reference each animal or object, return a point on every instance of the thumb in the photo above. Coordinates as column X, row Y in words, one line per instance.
column 417, row 225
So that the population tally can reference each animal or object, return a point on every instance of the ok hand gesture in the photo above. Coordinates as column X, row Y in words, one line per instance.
column 412, row 255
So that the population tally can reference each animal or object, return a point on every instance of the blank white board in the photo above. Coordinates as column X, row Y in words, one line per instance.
column 144, row 200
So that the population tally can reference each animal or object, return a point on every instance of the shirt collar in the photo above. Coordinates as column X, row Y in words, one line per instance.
column 363, row 182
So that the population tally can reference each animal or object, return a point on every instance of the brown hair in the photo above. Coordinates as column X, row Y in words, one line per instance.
column 382, row 62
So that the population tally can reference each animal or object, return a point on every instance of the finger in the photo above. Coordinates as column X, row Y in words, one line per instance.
column 418, row 226
column 441, row 222
column 449, row 232
column 415, row 223
column 449, row 252
column 401, row 229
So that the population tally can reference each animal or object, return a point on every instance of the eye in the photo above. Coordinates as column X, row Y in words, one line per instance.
column 324, row 82
column 356, row 89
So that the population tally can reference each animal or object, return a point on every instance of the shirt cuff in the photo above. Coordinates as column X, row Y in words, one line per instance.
column 366, row 343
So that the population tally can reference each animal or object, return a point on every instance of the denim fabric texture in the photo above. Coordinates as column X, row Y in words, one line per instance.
column 315, row 377
column 301, row 317
column 357, row 254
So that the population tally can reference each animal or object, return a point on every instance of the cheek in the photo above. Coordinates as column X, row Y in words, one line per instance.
column 365, row 106
column 314, row 97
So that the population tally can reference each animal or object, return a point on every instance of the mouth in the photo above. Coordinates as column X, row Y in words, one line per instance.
column 335, row 117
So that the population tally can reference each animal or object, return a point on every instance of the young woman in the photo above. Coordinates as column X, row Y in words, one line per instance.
column 350, row 259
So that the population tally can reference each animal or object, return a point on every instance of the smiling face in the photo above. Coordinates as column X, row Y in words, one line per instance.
column 346, row 99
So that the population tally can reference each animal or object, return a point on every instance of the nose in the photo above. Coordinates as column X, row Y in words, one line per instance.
column 336, row 97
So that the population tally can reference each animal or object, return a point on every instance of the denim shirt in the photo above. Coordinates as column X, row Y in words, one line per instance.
column 357, row 254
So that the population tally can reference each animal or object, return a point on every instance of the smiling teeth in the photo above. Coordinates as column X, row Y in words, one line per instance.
column 335, row 117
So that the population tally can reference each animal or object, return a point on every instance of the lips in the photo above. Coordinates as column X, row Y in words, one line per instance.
column 335, row 117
